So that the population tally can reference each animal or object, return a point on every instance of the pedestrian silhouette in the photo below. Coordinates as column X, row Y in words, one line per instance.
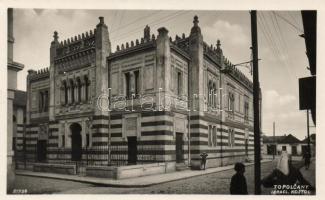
column 307, row 157
column 203, row 160
column 238, row 183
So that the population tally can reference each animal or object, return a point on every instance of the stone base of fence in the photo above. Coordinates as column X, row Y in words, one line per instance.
column 131, row 171
column 55, row 168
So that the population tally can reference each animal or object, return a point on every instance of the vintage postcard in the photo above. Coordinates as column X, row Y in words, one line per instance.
column 124, row 100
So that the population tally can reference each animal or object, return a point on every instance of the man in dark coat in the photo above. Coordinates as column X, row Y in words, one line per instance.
column 203, row 160
column 307, row 156
column 238, row 183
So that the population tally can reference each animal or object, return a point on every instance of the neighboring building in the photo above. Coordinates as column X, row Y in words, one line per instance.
column 65, row 117
column 19, row 118
column 288, row 143
column 13, row 69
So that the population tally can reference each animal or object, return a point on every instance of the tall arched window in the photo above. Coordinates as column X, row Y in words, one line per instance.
column 65, row 88
column 209, row 136
column 72, row 91
column 41, row 101
column 214, row 136
column 87, row 83
column 79, row 89
column 231, row 104
column 46, row 101
column 214, row 95
column 209, row 93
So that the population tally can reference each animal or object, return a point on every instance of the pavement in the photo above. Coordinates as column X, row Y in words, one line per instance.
column 143, row 181
column 309, row 174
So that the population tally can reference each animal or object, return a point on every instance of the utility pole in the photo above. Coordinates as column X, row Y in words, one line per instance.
column 221, row 110
column 308, row 137
column 274, row 144
column 257, row 140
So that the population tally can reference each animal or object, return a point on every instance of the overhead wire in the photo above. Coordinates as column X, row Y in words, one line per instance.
column 290, row 23
column 136, row 20
column 139, row 28
column 272, row 41
column 283, row 41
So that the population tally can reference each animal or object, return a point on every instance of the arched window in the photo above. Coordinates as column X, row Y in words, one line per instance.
column 179, row 83
column 65, row 88
column 46, row 101
column 214, row 136
column 87, row 83
column 231, row 103
column 41, row 101
column 214, row 95
column 72, row 91
column 79, row 89
column 209, row 93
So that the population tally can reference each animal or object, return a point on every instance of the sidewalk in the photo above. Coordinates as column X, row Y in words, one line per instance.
column 143, row 181
column 309, row 174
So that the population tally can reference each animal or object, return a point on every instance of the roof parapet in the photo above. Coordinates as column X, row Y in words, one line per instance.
column 136, row 43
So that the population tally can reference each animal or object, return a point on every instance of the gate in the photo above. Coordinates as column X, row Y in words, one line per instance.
column 179, row 148
column 41, row 150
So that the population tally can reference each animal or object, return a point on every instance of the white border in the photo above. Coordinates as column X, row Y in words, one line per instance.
column 166, row 5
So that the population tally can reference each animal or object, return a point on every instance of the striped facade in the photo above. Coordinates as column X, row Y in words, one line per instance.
column 166, row 119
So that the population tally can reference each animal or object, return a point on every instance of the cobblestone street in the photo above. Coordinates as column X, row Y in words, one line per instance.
column 216, row 183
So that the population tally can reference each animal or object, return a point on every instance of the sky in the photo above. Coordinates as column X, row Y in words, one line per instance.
column 281, row 49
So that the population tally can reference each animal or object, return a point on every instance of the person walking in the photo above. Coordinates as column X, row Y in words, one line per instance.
column 203, row 160
column 307, row 157
column 238, row 183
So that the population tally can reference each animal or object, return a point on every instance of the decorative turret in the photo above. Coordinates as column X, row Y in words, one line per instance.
column 55, row 36
column 54, row 45
column 146, row 33
column 196, row 28
column 219, row 50
column 101, row 21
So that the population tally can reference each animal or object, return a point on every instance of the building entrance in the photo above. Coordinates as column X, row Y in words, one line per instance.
column 179, row 148
column 132, row 150
column 41, row 150
column 76, row 142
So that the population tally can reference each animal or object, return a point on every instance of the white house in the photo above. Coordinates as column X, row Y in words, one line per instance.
column 288, row 143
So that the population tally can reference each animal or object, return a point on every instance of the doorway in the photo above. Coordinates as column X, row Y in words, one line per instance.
column 76, row 142
column 294, row 150
column 41, row 150
column 304, row 149
column 179, row 148
column 132, row 150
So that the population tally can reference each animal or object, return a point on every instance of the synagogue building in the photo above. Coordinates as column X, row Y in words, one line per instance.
column 154, row 99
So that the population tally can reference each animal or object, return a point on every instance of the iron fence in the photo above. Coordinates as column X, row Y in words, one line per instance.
column 116, row 155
